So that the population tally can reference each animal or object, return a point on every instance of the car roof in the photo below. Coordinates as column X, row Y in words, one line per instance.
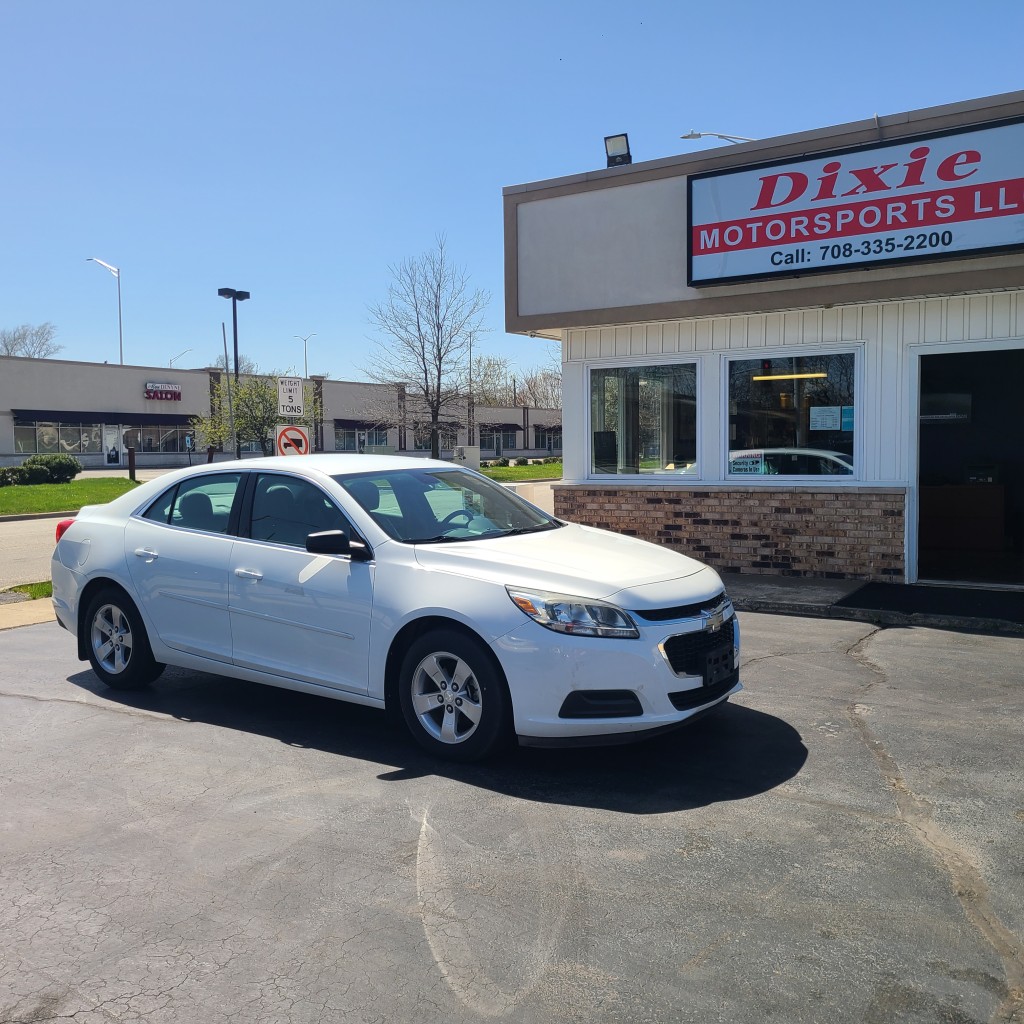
column 327, row 463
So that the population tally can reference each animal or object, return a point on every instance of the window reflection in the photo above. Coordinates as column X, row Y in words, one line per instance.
column 792, row 416
column 644, row 419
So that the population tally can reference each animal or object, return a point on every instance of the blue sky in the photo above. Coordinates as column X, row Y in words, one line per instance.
column 297, row 150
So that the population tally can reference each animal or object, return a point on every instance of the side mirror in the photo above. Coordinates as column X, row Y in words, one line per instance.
column 337, row 542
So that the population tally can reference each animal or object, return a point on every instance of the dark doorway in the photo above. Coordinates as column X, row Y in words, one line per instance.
column 971, row 472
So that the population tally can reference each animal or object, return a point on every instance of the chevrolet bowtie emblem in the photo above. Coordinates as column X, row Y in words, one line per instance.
column 713, row 620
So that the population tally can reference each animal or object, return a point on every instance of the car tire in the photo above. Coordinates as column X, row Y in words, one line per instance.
column 454, row 698
column 117, row 643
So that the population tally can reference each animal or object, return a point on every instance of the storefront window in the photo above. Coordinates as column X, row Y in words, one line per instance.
column 499, row 439
column 47, row 438
column 549, row 438
column 25, row 440
column 447, row 438
column 354, row 440
column 644, row 419
column 792, row 416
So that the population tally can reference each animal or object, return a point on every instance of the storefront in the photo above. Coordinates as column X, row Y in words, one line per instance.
column 97, row 411
column 801, row 355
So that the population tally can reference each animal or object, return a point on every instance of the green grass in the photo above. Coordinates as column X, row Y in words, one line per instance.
column 35, row 498
column 520, row 474
column 35, row 591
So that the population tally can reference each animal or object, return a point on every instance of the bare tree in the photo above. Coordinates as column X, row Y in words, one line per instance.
column 542, row 389
column 246, row 365
column 428, row 321
column 491, row 377
column 30, row 341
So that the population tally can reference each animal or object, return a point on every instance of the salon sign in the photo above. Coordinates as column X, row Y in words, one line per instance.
column 157, row 392
column 935, row 196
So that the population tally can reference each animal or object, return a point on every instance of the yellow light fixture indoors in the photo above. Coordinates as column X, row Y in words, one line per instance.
column 787, row 376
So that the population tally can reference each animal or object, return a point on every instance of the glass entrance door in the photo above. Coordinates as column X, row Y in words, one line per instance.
column 971, row 468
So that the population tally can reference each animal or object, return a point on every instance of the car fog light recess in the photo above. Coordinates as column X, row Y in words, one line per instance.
column 575, row 616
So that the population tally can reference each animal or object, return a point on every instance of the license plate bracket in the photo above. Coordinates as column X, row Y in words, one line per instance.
column 718, row 665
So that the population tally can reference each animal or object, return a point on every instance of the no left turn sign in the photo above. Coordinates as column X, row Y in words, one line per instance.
column 292, row 440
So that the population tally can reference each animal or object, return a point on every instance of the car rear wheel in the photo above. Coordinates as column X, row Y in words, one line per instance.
column 454, row 699
column 119, row 650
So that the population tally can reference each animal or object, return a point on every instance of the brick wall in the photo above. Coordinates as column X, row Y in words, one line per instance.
column 854, row 533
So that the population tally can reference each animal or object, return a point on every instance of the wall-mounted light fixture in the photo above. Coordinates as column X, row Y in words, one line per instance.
column 616, row 148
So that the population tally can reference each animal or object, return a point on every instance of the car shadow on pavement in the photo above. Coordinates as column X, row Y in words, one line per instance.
column 730, row 754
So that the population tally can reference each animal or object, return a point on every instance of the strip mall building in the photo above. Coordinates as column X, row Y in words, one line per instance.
column 97, row 411
column 801, row 355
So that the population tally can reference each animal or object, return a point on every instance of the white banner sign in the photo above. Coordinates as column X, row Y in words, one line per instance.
column 933, row 196
column 289, row 396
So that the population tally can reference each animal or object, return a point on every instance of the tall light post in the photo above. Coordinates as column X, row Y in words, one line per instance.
column 735, row 139
column 178, row 356
column 305, row 359
column 117, row 274
column 236, row 297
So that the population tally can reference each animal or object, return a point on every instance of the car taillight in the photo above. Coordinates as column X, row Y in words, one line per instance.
column 62, row 527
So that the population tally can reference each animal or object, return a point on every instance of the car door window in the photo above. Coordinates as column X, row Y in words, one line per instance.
column 202, row 504
column 286, row 510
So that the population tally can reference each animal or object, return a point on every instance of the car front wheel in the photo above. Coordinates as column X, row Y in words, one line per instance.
column 119, row 650
column 454, row 699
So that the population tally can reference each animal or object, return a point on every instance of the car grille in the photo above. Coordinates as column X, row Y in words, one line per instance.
column 682, row 611
column 684, row 700
column 688, row 653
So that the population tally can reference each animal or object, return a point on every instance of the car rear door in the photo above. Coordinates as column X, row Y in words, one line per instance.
column 178, row 554
column 294, row 614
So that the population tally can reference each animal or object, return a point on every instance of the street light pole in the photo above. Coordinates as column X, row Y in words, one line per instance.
column 117, row 274
column 305, row 360
column 734, row 139
column 178, row 356
column 236, row 297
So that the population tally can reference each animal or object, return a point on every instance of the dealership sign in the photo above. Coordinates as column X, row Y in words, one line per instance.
column 934, row 196
column 163, row 392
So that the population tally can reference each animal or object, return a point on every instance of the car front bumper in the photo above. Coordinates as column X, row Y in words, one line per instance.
column 545, row 670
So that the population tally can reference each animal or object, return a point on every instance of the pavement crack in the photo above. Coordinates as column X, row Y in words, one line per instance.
column 965, row 878
column 113, row 709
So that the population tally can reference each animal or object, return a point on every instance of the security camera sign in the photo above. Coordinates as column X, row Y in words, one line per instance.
column 289, row 396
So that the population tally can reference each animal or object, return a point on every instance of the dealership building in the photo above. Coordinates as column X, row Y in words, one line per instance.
column 97, row 411
column 801, row 355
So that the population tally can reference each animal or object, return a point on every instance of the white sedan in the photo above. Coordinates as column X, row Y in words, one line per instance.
column 399, row 582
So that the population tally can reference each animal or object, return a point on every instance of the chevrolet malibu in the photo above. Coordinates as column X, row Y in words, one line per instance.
column 399, row 583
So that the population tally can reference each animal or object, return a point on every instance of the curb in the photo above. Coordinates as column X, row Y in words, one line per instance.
column 877, row 617
column 21, row 517
column 26, row 613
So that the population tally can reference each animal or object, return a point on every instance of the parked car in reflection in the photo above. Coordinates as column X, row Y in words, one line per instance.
column 777, row 462
column 398, row 582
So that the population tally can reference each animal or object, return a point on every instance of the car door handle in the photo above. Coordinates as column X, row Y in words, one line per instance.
column 147, row 554
column 248, row 574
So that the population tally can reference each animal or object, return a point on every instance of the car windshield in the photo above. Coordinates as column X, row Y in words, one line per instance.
column 434, row 506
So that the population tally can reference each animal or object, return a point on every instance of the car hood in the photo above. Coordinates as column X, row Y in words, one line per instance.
column 582, row 561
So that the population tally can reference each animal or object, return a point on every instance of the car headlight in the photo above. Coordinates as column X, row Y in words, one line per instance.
column 577, row 616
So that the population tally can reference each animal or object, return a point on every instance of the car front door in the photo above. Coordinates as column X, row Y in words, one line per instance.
column 295, row 614
column 178, row 553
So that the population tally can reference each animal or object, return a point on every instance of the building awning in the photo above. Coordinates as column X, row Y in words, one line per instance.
column 499, row 426
column 130, row 419
column 358, row 425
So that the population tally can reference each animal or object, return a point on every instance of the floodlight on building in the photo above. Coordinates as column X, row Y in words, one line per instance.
column 616, row 148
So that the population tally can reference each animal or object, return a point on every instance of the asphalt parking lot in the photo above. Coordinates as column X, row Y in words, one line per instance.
column 842, row 843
